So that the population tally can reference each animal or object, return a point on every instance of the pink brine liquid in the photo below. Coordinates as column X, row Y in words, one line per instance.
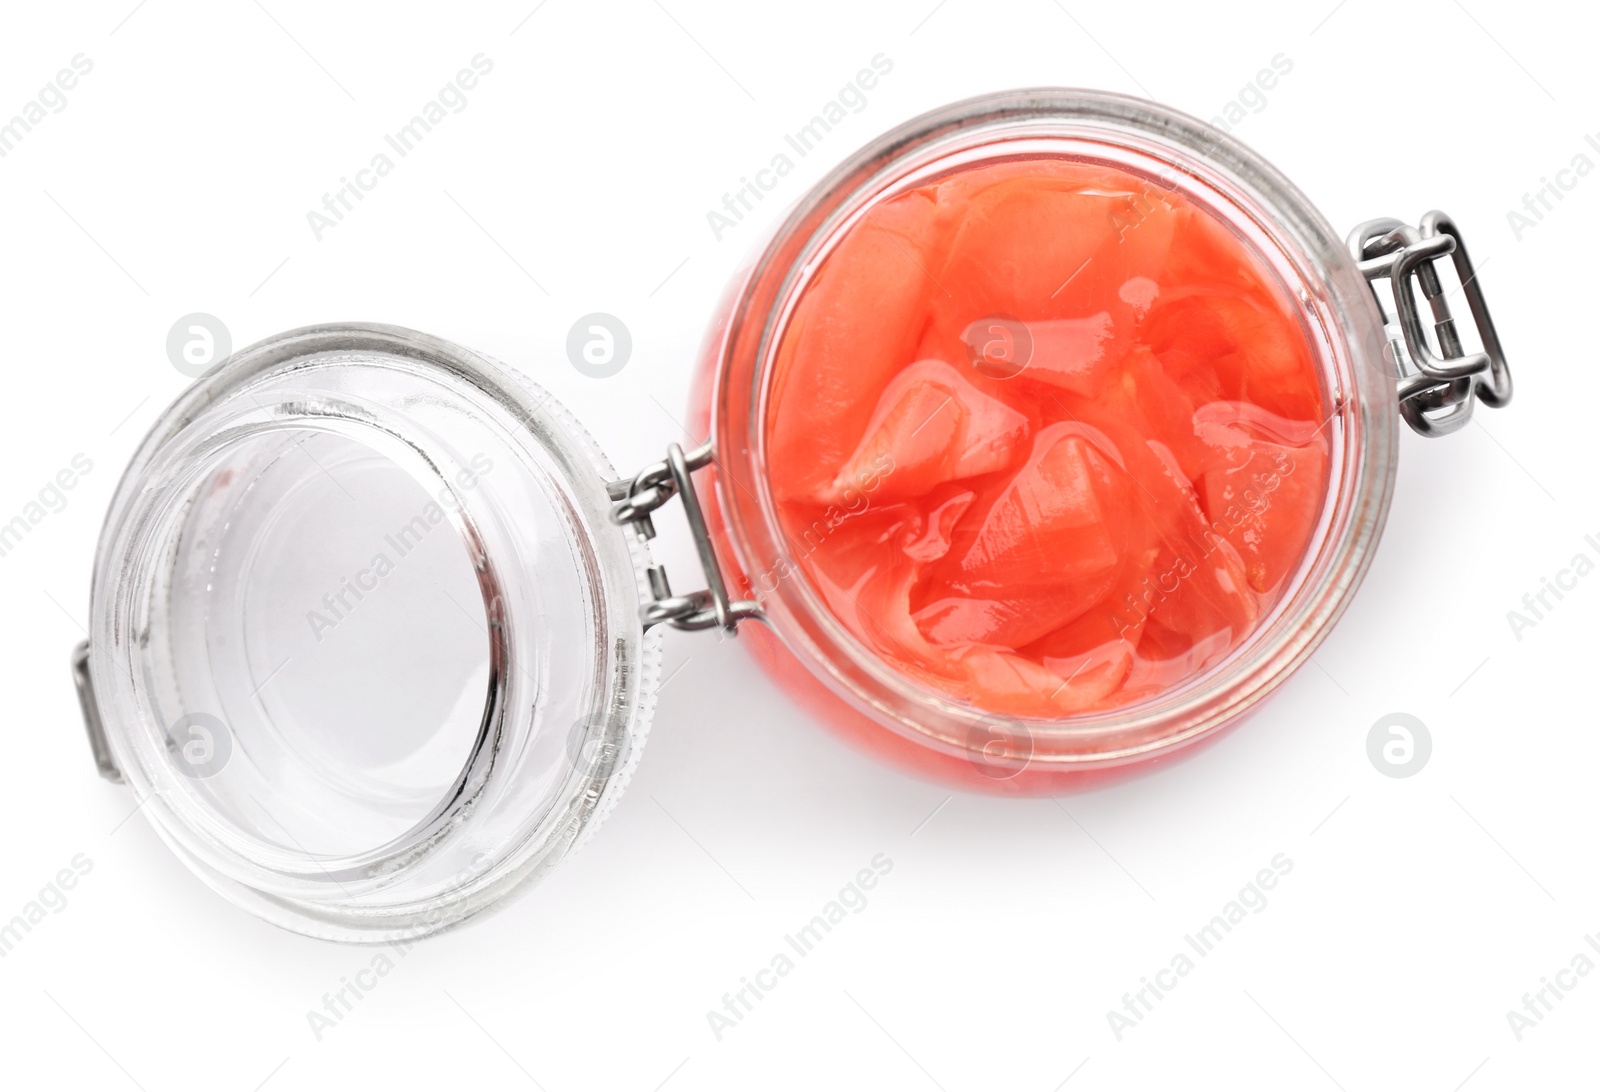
column 1046, row 436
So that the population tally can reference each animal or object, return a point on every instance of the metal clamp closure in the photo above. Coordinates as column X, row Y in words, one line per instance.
column 91, row 715
column 633, row 502
column 1437, row 389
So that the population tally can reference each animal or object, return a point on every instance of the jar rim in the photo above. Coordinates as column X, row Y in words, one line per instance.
column 1361, row 395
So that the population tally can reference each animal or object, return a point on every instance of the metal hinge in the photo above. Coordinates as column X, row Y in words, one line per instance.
column 1437, row 388
column 91, row 715
column 633, row 501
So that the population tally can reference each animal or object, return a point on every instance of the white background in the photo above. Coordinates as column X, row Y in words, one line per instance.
column 1418, row 911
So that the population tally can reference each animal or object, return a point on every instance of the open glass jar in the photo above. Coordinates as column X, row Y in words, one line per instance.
column 375, row 629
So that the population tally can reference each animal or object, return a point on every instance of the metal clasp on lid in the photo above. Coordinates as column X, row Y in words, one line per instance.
column 91, row 715
column 633, row 502
column 1437, row 389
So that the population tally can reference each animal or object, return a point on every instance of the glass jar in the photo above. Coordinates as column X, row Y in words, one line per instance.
column 892, row 715
column 375, row 631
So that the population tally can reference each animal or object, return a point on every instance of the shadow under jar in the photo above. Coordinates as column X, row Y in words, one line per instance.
column 375, row 628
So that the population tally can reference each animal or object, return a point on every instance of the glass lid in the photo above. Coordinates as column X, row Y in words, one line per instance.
column 365, row 640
